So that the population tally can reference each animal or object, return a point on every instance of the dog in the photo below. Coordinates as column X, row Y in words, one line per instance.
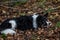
column 24, row 23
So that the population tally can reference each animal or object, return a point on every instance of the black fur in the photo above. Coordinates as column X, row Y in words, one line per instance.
column 24, row 22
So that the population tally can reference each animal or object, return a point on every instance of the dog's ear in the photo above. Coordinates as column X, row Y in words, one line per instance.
column 46, row 15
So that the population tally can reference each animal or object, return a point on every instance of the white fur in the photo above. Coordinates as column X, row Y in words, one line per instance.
column 8, row 31
column 34, row 20
column 48, row 23
column 13, row 24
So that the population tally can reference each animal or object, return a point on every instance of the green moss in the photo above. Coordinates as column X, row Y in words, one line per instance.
column 3, row 36
column 21, row 2
column 58, row 24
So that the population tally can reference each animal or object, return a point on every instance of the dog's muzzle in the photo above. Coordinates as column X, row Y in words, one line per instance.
column 48, row 23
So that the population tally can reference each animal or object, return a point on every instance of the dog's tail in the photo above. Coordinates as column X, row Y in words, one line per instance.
column 4, row 25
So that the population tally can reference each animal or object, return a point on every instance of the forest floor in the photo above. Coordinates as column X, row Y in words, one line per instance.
column 51, row 6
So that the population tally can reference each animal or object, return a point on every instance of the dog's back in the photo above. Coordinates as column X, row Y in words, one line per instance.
column 25, row 22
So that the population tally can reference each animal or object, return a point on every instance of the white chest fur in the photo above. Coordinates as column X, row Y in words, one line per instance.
column 34, row 20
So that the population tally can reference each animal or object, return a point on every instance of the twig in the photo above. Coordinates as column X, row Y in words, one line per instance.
column 16, row 8
column 7, row 7
column 10, row 1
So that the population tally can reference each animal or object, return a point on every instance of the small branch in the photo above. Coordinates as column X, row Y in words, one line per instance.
column 53, row 8
column 7, row 7
column 10, row 1
column 24, row 9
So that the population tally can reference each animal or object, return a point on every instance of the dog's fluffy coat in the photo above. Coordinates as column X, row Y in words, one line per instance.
column 23, row 23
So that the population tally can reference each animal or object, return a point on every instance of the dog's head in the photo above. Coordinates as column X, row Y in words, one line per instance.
column 42, row 20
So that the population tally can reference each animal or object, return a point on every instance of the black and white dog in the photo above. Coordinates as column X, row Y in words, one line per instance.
column 24, row 23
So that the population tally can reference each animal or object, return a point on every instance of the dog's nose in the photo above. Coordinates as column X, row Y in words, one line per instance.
column 49, row 23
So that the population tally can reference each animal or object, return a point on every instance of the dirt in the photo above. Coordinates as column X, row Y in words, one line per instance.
column 50, row 33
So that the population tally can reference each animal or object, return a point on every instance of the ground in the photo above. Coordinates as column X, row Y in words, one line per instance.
column 32, row 6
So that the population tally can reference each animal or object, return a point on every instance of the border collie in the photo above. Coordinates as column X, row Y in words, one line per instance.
column 24, row 23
